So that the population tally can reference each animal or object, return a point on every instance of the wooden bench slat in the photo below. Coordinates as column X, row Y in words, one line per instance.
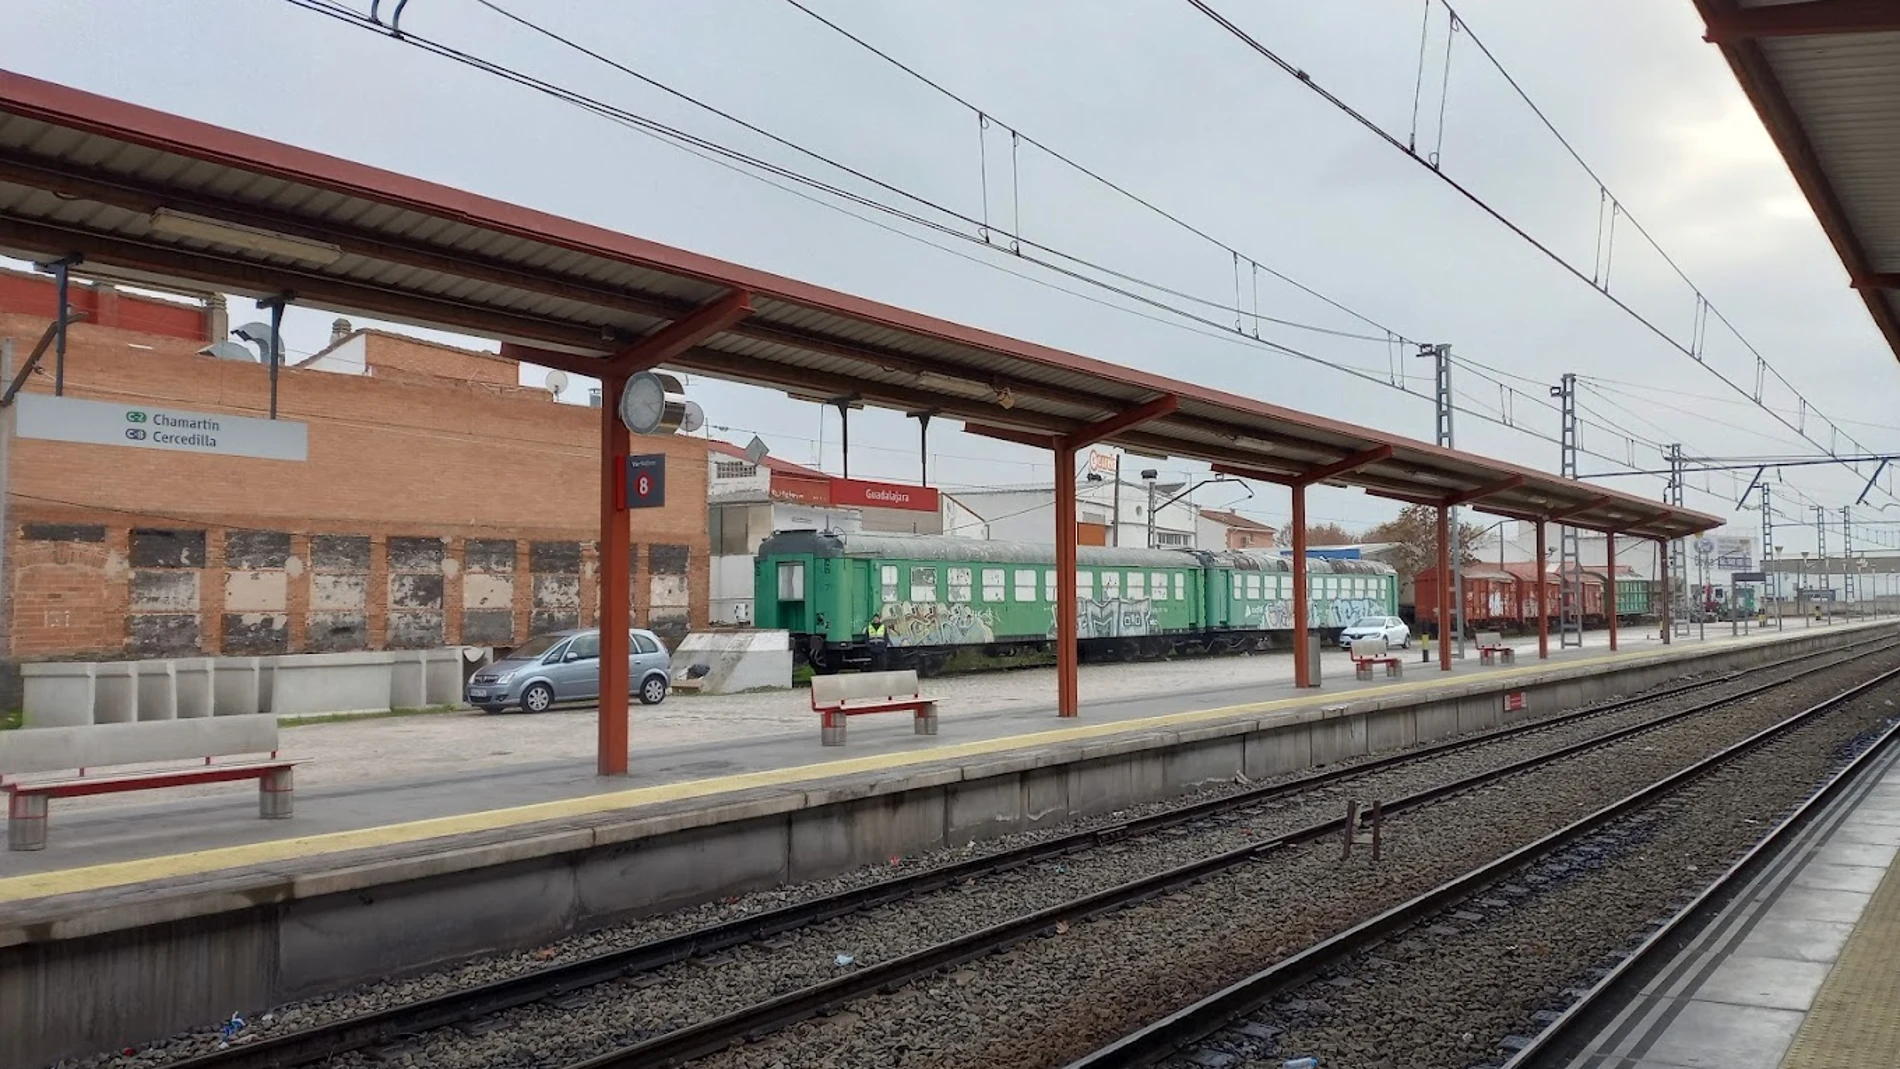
column 155, row 779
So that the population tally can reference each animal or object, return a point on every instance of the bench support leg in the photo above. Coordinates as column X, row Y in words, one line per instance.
column 925, row 722
column 832, row 733
column 26, row 822
column 275, row 798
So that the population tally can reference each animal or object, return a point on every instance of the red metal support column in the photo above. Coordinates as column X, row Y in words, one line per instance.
column 1609, row 586
column 1543, row 598
column 1302, row 674
column 1444, row 589
column 616, row 580
column 1068, row 700
column 1668, row 625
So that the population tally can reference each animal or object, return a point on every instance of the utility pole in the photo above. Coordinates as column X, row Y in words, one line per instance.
column 1768, row 549
column 1820, row 554
column 1441, row 357
column 1569, row 552
column 1678, row 554
column 1115, row 511
column 1848, row 586
column 1149, row 476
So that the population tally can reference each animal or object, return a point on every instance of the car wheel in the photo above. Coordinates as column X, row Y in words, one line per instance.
column 537, row 698
column 653, row 690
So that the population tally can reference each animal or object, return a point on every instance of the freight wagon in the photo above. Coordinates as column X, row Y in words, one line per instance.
column 939, row 595
column 1509, row 598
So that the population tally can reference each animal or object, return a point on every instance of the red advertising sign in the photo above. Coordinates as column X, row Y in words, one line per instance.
column 856, row 493
column 1514, row 702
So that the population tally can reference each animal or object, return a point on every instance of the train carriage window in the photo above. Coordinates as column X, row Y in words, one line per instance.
column 1137, row 586
column 1025, row 584
column 960, row 584
column 1254, row 587
column 1240, row 587
column 1084, row 585
column 1111, row 586
column 923, row 583
column 1158, row 582
column 1049, row 585
column 887, row 578
column 992, row 584
column 791, row 580
column 1180, row 586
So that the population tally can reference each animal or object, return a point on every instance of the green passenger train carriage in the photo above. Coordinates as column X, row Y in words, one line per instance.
column 939, row 595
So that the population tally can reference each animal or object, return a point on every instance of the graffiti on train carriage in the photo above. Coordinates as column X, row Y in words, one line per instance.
column 929, row 623
column 1111, row 618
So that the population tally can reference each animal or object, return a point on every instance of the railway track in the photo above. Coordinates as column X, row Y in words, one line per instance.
column 390, row 1032
column 1267, row 1015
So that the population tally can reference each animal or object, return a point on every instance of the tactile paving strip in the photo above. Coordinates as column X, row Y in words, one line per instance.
column 1855, row 1021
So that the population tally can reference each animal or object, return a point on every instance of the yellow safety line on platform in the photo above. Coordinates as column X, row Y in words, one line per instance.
column 197, row 862
column 1852, row 1024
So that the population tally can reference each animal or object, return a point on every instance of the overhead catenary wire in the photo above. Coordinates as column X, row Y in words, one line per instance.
column 1433, row 165
column 749, row 165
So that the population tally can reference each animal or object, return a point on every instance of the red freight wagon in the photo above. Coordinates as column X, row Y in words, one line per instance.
column 1529, row 600
column 1491, row 598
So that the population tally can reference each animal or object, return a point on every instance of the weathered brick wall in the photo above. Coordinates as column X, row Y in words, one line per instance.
column 429, row 512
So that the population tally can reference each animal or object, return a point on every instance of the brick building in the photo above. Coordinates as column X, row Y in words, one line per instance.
column 440, row 504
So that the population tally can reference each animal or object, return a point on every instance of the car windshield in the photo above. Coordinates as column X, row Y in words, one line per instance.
column 1369, row 621
column 534, row 647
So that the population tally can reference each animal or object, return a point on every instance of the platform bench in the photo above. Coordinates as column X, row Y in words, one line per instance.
column 1367, row 652
column 1491, row 646
column 79, row 753
column 836, row 698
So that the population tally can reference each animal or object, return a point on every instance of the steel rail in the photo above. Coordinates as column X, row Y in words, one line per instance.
column 320, row 1042
column 1167, row 1036
column 715, row 1034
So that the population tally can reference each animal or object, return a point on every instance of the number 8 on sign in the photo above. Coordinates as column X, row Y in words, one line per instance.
column 646, row 481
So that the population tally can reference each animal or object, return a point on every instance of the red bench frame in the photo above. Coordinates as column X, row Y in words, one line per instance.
column 26, row 821
column 1486, row 653
column 1362, row 666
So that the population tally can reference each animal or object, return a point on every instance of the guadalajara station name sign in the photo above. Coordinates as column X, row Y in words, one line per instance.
column 857, row 493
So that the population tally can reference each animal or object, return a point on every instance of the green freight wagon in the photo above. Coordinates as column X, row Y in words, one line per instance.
column 1632, row 598
column 937, row 594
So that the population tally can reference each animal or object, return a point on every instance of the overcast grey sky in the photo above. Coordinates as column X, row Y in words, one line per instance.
column 1155, row 96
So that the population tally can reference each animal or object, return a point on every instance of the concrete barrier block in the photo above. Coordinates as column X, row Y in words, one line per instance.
column 235, row 687
column 192, row 687
column 728, row 662
column 672, row 871
column 443, row 676
column 1337, row 740
column 115, row 696
column 57, row 694
column 1196, row 764
column 1046, row 796
column 1390, row 729
column 330, row 683
column 157, row 690
column 408, row 680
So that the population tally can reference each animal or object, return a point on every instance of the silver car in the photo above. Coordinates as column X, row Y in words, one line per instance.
column 1397, row 636
column 565, row 667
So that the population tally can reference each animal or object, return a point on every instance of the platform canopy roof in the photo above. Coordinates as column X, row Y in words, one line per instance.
column 1825, row 77
column 147, row 196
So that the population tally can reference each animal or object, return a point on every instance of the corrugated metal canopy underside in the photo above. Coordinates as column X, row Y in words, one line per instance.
column 1825, row 77
column 84, row 174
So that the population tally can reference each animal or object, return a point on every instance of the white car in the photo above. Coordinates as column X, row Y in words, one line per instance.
column 1397, row 636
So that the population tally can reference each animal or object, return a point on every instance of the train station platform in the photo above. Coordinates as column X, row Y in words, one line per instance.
column 1801, row 970
column 376, row 877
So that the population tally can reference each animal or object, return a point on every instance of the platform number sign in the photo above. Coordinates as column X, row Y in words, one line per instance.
column 646, row 481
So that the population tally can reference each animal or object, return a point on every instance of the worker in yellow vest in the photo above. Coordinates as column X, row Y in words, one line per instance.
column 874, row 637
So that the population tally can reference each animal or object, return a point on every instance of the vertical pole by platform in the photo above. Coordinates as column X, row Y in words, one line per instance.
column 1668, row 621
column 1543, row 598
column 1444, row 588
column 1302, row 674
column 1068, row 702
column 616, row 580
column 1609, row 591
column 62, row 279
